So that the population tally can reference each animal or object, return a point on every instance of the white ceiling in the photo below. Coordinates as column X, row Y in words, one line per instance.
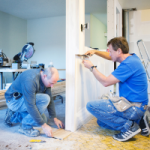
column 138, row 4
column 33, row 9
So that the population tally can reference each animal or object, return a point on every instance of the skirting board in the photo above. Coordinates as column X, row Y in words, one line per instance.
column 83, row 116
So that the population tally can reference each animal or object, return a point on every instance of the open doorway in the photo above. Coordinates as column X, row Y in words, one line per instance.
column 44, row 24
column 49, row 34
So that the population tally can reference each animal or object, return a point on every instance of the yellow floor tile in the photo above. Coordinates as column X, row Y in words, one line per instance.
column 93, row 137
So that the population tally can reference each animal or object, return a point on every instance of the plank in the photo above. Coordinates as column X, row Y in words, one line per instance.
column 61, row 133
column 58, row 133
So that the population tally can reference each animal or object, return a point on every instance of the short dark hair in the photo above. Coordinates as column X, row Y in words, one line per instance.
column 119, row 42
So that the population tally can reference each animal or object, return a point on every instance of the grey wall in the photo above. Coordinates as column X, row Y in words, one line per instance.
column 13, row 35
column 49, row 37
column 97, row 38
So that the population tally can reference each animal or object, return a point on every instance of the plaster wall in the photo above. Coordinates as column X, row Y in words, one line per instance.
column 87, row 86
column 81, row 85
column 97, row 31
column 13, row 36
column 139, row 23
column 49, row 37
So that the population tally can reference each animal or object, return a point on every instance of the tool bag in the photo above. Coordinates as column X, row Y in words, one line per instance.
column 120, row 103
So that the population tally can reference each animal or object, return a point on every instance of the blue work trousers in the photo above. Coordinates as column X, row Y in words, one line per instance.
column 108, row 116
column 20, row 109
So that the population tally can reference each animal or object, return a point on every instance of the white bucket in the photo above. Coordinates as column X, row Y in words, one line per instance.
column 7, row 85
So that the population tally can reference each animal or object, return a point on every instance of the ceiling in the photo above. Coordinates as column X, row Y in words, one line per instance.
column 138, row 4
column 33, row 9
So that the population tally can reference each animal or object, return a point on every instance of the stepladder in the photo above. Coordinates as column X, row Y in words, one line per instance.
column 145, row 58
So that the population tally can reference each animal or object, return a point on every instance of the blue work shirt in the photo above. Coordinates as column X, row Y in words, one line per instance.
column 133, row 80
column 29, row 83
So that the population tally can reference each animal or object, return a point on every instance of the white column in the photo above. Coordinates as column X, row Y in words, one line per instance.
column 74, row 45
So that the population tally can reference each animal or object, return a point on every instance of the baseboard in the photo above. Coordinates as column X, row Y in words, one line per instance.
column 82, row 117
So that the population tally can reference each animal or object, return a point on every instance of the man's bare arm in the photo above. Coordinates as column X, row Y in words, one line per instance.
column 99, row 53
column 105, row 81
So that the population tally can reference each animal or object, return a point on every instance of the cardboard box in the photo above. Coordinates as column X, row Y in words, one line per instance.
column 16, row 65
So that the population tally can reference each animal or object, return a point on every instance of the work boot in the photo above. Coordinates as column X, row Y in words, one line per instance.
column 29, row 132
column 8, row 116
column 144, row 125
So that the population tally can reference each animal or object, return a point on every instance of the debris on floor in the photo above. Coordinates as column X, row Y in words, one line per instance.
column 88, row 137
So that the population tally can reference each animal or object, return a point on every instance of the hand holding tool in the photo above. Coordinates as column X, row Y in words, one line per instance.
column 84, row 56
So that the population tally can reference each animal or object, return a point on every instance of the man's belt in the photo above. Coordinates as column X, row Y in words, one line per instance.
column 136, row 104
column 146, row 107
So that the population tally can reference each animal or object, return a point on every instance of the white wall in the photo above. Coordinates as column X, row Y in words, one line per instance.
column 139, row 24
column 98, row 39
column 87, row 31
column 13, row 36
column 48, row 34
column 81, row 85
column 94, row 36
column 139, row 28
column 49, row 37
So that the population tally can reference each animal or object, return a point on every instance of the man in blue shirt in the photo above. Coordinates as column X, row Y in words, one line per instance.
column 29, row 96
column 132, row 80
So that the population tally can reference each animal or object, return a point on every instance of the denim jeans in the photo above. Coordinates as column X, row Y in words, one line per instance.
column 108, row 116
column 42, row 101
